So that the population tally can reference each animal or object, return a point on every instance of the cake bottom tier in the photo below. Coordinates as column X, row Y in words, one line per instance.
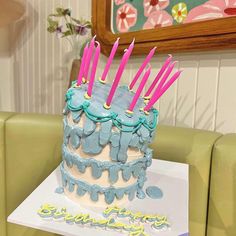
column 84, row 193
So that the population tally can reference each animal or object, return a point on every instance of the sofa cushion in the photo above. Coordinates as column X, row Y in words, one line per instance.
column 222, row 208
column 33, row 151
column 193, row 147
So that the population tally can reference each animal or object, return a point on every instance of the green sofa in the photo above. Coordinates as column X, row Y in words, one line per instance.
column 30, row 148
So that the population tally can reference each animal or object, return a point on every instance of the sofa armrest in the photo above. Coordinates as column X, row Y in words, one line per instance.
column 33, row 151
column 4, row 116
column 222, row 200
column 193, row 147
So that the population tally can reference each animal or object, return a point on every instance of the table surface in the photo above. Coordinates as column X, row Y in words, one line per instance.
column 170, row 177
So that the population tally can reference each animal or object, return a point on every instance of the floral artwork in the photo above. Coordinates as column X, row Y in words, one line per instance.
column 154, row 6
column 118, row 2
column 157, row 20
column 133, row 15
column 126, row 17
column 212, row 9
column 179, row 12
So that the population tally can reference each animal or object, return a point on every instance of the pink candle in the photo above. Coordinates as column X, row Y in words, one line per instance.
column 166, row 75
column 139, row 90
column 93, row 71
column 146, row 61
column 88, row 58
column 109, row 61
column 162, row 70
column 129, row 51
column 81, row 71
column 119, row 72
column 157, row 94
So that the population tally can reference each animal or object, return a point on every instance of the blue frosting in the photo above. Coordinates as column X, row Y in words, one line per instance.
column 59, row 190
column 134, row 130
column 94, row 190
column 134, row 168
column 154, row 192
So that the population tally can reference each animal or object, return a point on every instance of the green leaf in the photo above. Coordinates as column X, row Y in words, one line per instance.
column 84, row 22
column 67, row 33
column 83, row 46
column 51, row 29
column 75, row 20
column 87, row 23
column 71, row 27
column 55, row 15
column 60, row 11
column 67, row 12
column 88, row 26
column 52, row 22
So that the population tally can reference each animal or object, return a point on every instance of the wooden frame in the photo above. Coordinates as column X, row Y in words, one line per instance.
column 200, row 36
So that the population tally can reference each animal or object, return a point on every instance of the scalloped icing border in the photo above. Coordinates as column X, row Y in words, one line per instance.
column 113, row 116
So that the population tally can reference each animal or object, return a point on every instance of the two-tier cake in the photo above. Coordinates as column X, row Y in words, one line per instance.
column 107, row 130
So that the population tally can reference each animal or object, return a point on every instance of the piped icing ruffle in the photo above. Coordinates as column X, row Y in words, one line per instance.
column 110, row 193
column 133, row 168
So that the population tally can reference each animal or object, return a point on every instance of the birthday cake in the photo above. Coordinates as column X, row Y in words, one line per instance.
column 107, row 130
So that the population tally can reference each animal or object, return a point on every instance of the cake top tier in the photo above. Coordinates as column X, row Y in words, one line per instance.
column 114, row 115
column 95, row 110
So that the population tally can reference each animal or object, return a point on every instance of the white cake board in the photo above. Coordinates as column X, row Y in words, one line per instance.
column 170, row 177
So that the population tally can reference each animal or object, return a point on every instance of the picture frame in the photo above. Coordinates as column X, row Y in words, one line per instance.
column 217, row 34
